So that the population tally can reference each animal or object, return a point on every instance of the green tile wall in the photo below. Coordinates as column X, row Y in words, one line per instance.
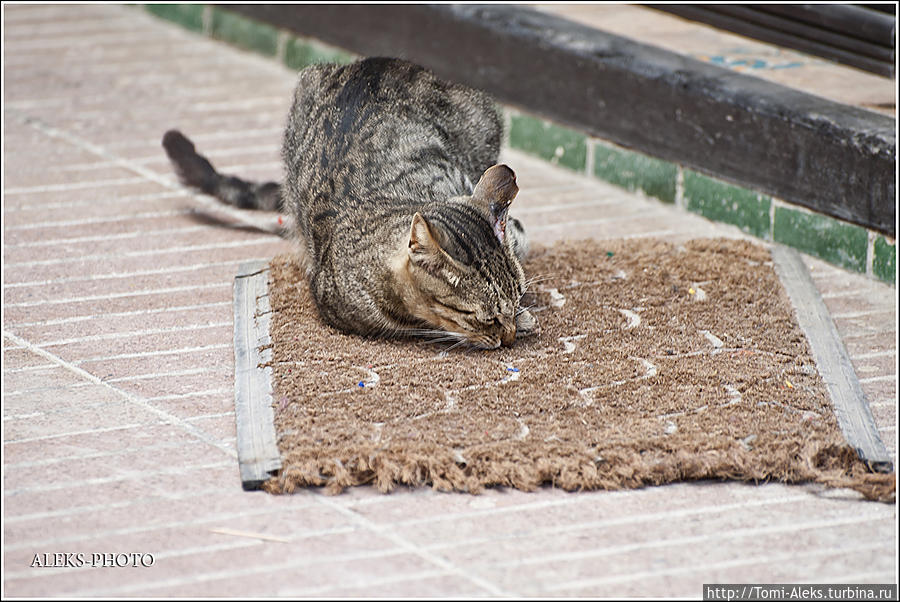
column 635, row 171
column 837, row 242
column 187, row 15
column 300, row 53
column 723, row 202
column 554, row 143
column 884, row 263
column 244, row 32
column 834, row 241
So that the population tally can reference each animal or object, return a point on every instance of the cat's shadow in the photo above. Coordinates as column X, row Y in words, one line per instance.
column 209, row 218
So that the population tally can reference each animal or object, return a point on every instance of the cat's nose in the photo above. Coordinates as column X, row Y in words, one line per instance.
column 508, row 336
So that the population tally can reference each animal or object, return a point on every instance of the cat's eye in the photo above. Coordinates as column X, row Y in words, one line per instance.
column 456, row 309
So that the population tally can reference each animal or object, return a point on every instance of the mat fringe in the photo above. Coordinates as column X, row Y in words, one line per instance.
column 828, row 463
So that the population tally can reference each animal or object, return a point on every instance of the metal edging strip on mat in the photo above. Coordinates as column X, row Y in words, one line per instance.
column 847, row 397
column 258, row 456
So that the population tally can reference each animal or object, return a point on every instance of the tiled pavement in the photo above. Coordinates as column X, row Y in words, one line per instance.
column 118, row 429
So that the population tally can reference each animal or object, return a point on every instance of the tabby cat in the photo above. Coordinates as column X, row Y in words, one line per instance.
column 380, row 158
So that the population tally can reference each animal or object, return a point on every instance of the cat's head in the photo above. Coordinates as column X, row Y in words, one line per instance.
column 461, row 267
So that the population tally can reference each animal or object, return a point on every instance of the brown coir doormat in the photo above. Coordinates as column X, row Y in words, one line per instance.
column 655, row 363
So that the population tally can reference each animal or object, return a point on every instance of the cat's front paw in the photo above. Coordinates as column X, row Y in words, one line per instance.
column 526, row 324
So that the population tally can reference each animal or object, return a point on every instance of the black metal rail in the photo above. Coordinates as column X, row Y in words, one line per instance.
column 832, row 158
column 854, row 35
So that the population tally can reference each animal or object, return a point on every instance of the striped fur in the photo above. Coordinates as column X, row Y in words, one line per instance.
column 381, row 164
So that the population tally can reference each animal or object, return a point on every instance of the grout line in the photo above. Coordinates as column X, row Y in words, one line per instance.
column 235, row 135
column 862, row 314
column 120, row 314
column 79, row 41
column 708, row 568
column 281, row 42
column 233, row 572
column 679, row 187
column 78, row 433
column 32, row 390
column 169, row 194
column 90, row 221
column 845, row 293
column 137, row 401
column 95, row 455
column 883, row 404
column 215, row 157
column 104, row 237
column 66, row 410
column 191, row 394
column 114, row 275
column 155, row 375
column 388, row 532
column 158, row 291
column 605, row 220
column 143, row 253
column 528, row 507
column 70, row 187
column 50, row 542
column 589, row 150
column 874, row 354
column 99, row 508
column 207, row 20
column 418, row 576
column 596, row 202
column 131, row 334
column 210, row 416
column 240, row 216
column 790, row 527
column 143, row 354
column 30, row 368
column 123, row 476
column 870, row 254
column 879, row 379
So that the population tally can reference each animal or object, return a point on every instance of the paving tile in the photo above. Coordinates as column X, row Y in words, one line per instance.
column 101, row 327
column 877, row 322
column 305, row 581
column 881, row 391
column 96, row 443
column 92, row 472
column 88, row 417
column 880, row 366
column 417, row 587
column 218, row 357
column 127, row 261
column 192, row 478
column 726, row 203
column 862, row 301
column 21, row 359
column 754, row 561
column 199, row 403
column 124, row 463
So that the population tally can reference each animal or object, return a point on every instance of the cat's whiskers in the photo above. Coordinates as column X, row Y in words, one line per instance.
column 536, row 279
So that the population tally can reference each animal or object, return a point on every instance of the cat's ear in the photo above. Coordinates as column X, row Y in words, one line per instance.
column 493, row 194
column 425, row 251
column 422, row 242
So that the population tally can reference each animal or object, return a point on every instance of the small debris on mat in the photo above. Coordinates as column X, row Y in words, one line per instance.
column 657, row 399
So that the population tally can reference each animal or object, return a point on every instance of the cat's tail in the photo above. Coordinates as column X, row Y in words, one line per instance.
column 195, row 171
